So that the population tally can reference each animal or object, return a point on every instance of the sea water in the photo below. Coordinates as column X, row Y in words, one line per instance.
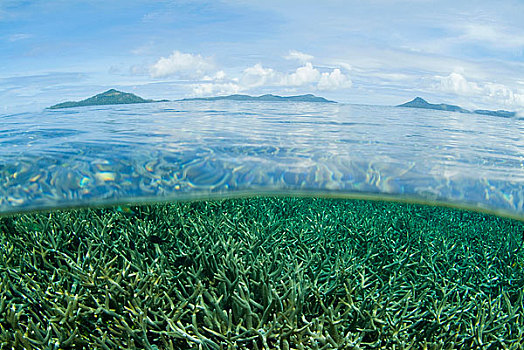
column 224, row 225
column 196, row 149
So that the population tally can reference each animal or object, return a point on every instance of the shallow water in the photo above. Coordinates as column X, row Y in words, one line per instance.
column 183, row 150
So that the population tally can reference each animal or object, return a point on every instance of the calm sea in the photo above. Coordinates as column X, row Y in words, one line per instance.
column 184, row 150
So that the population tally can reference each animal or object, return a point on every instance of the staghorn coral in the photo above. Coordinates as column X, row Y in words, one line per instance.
column 261, row 273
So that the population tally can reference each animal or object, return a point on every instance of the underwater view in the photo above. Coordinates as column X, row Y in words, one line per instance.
column 279, row 175
column 262, row 273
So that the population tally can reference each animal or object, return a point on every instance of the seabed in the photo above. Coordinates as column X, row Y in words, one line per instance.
column 262, row 273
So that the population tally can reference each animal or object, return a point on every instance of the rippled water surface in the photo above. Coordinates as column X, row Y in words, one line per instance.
column 184, row 150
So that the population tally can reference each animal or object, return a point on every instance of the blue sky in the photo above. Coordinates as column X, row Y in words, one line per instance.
column 372, row 52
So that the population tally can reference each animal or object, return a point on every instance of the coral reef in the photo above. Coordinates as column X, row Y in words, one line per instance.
column 261, row 273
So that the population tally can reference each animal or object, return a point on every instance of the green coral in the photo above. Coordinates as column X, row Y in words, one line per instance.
column 261, row 273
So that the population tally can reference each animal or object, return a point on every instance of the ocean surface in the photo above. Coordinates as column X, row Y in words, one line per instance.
column 196, row 149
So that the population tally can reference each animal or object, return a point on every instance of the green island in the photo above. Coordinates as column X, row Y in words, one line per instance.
column 419, row 102
column 262, row 273
column 263, row 98
column 109, row 97
column 115, row 97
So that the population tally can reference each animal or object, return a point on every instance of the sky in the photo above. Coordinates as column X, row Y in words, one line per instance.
column 383, row 52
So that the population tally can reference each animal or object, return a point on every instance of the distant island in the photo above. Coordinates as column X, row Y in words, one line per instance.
column 110, row 97
column 419, row 102
column 115, row 97
column 499, row 113
column 263, row 98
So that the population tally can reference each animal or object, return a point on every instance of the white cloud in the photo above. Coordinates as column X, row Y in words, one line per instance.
column 303, row 75
column 211, row 89
column 488, row 92
column 300, row 56
column 456, row 83
column 307, row 74
column 391, row 76
column 499, row 36
column 258, row 76
column 218, row 76
column 334, row 80
column 182, row 65
column 502, row 93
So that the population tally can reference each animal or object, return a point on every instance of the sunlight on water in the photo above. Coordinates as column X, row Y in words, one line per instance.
column 183, row 150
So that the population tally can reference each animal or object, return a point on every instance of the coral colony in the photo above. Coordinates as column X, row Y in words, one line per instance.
column 261, row 273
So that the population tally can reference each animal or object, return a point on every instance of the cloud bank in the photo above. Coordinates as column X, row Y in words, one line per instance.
column 488, row 92
column 300, row 56
column 182, row 65
column 306, row 76
column 202, row 77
